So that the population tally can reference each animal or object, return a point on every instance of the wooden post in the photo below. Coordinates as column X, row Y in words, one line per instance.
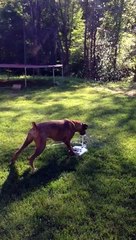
column 53, row 76
column 62, row 72
column 25, row 78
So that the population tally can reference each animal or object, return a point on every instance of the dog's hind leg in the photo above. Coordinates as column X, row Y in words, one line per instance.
column 40, row 146
column 28, row 140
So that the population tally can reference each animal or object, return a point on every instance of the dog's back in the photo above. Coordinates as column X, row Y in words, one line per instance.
column 57, row 130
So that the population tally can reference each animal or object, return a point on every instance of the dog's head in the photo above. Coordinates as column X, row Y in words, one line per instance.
column 84, row 126
column 80, row 127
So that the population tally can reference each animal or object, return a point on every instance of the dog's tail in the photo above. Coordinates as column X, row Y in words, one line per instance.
column 34, row 126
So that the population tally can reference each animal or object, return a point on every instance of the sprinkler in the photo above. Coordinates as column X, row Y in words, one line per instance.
column 82, row 148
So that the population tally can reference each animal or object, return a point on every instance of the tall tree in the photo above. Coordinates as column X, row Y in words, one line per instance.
column 11, row 33
column 66, row 23
column 40, row 29
column 93, row 13
column 127, row 53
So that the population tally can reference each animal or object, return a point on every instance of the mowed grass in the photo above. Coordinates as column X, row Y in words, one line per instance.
column 69, row 198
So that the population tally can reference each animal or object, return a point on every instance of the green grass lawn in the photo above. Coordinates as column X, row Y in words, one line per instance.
column 69, row 198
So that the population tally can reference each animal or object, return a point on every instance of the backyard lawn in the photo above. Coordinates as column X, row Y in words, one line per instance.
column 91, row 197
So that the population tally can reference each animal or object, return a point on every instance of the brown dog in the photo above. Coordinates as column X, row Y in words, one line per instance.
column 58, row 130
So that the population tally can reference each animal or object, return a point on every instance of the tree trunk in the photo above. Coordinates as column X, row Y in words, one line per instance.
column 117, row 30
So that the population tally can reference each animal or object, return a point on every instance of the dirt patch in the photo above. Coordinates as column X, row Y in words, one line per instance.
column 131, row 93
column 127, row 91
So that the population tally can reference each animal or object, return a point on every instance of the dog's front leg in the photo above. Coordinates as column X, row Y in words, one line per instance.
column 67, row 143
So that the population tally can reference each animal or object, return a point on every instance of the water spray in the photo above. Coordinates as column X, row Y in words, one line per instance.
column 82, row 147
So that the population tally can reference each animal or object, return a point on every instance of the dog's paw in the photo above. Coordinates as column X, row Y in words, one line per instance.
column 34, row 170
column 11, row 163
column 72, row 153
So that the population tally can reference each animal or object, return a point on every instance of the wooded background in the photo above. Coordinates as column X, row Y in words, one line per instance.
column 95, row 39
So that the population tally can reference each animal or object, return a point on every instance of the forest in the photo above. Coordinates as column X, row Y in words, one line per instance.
column 93, row 39
column 87, row 195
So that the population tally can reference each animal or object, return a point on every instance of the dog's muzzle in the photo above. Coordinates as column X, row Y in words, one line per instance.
column 82, row 133
column 83, row 130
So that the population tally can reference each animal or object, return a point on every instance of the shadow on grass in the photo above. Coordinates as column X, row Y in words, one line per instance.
column 61, row 85
column 16, row 186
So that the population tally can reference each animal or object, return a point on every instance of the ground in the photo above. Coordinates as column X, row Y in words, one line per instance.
column 70, row 198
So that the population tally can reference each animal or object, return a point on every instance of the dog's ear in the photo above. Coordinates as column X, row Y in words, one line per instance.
column 34, row 126
column 85, row 126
